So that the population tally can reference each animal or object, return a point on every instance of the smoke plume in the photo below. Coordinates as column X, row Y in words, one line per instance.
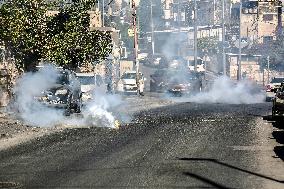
column 33, row 112
column 227, row 91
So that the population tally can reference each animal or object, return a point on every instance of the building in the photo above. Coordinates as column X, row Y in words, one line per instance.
column 180, row 12
column 250, row 67
column 261, row 20
column 180, row 42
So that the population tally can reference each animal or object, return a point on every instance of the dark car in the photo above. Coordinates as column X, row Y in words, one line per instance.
column 183, row 84
column 65, row 93
column 175, row 82
column 278, row 102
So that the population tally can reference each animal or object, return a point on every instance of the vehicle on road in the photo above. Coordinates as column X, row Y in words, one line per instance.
column 175, row 82
column 65, row 93
column 272, row 88
column 278, row 102
column 89, row 81
column 185, row 84
column 127, row 83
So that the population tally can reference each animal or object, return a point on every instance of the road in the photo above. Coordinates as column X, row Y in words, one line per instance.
column 179, row 145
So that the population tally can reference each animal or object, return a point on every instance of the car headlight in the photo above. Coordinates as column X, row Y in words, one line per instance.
column 61, row 92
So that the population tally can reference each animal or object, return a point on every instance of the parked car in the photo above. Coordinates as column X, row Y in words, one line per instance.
column 278, row 102
column 89, row 81
column 127, row 83
column 272, row 87
column 65, row 93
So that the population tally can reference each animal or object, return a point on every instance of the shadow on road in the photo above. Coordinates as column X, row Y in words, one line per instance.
column 234, row 167
column 278, row 136
column 279, row 151
column 277, row 122
column 207, row 181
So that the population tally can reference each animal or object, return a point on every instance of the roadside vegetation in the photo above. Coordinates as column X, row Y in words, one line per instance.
column 30, row 34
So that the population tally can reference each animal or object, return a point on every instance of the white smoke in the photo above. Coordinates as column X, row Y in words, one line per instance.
column 98, row 111
column 29, row 86
column 226, row 91
column 32, row 112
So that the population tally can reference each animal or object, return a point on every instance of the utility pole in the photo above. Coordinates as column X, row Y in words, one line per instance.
column 268, row 69
column 178, row 15
column 152, row 29
column 240, row 48
column 223, row 38
column 136, row 61
column 214, row 11
column 179, row 26
column 103, row 12
column 195, row 35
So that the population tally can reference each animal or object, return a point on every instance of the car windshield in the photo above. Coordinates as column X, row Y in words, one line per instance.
column 87, row 80
column 129, row 76
column 277, row 80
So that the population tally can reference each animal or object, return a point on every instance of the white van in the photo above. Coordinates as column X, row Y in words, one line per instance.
column 127, row 83
column 89, row 81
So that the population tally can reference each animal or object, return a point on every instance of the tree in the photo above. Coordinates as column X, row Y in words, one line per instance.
column 70, row 41
column 30, row 35
column 22, row 30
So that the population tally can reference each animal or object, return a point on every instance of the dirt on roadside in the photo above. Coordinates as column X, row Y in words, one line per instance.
column 14, row 132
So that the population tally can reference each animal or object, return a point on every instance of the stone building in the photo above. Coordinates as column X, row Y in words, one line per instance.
column 261, row 20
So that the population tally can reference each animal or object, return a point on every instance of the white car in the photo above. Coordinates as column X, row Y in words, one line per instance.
column 127, row 83
column 89, row 81
column 272, row 87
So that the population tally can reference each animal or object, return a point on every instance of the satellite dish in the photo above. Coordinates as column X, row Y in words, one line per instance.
column 244, row 43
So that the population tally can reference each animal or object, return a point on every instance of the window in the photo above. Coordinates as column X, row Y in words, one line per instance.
column 268, row 17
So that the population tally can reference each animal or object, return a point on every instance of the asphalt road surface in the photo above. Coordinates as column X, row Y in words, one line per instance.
column 182, row 145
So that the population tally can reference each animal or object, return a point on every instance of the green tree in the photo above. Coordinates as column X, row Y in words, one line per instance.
column 69, row 39
column 30, row 35
column 22, row 29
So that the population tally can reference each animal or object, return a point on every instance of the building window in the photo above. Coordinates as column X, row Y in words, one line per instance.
column 267, row 17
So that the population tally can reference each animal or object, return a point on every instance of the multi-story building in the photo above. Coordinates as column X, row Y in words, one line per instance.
column 260, row 20
column 181, row 12
column 180, row 42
